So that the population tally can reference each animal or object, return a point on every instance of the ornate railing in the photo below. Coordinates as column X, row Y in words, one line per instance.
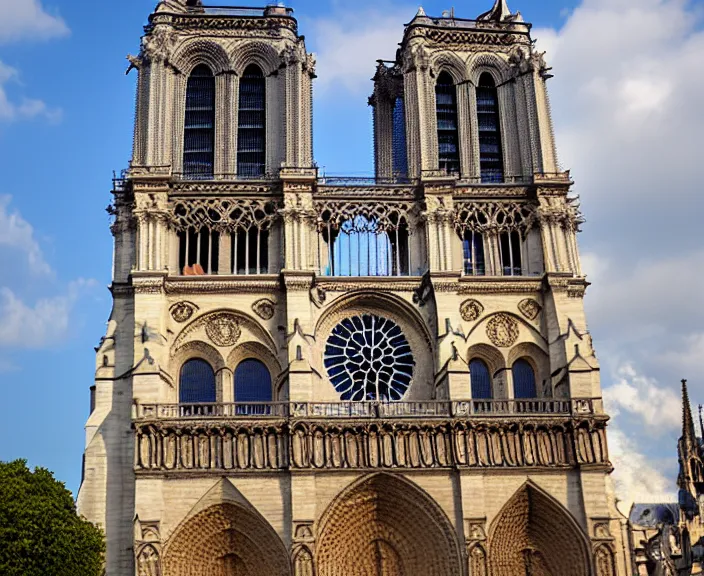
column 369, row 410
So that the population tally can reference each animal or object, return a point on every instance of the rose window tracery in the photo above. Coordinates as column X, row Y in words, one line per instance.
column 368, row 357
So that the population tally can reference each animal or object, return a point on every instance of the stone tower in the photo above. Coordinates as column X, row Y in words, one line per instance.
column 335, row 376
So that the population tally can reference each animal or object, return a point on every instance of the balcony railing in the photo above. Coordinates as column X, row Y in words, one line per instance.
column 369, row 410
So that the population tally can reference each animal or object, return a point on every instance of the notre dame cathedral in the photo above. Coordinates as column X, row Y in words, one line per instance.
column 306, row 374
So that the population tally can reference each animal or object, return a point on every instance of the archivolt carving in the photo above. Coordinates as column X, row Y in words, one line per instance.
column 225, row 539
column 446, row 60
column 223, row 214
column 534, row 532
column 494, row 216
column 252, row 446
column 199, row 51
column 386, row 525
column 471, row 310
column 387, row 215
column 604, row 561
column 491, row 63
column 195, row 349
column 502, row 330
column 148, row 562
column 529, row 308
column 264, row 308
column 256, row 52
column 303, row 562
column 477, row 561
column 223, row 329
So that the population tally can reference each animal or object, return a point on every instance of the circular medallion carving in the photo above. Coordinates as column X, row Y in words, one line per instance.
column 368, row 357
column 183, row 311
column 502, row 330
column 471, row 310
column 264, row 308
column 529, row 308
column 223, row 330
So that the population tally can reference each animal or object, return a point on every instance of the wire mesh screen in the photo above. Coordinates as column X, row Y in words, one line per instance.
column 359, row 247
column 491, row 162
column 398, row 142
column 197, row 382
column 199, row 128
column 523, row 380
column 446, row 109
column 480, row 380
column 251, row 131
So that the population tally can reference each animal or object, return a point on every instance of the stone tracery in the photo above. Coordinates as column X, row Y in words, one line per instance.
column 223, row 214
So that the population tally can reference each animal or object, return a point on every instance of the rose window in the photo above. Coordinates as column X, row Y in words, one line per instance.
column 368, row 358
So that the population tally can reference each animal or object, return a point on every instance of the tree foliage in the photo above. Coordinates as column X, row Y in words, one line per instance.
column 40, row 532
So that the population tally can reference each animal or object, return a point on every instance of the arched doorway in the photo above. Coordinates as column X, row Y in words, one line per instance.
column 386, row 526
column 226, row 540
column 535, row 536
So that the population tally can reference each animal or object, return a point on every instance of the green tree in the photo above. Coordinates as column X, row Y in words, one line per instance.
column 40, row 532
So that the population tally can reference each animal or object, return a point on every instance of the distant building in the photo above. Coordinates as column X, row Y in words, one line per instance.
column 668, row 539
column 308, row 374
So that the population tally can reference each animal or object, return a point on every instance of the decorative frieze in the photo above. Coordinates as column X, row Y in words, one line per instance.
column 310, row 445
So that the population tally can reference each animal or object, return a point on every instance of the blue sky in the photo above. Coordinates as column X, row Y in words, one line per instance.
column 628, row 119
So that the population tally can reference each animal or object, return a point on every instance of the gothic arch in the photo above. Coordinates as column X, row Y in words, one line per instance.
column 539, row 360
column 256, row 351
column 604, row 560
column 493, row 357
column 191, row 54
column 446, row 61
column 534, row 332
column 222, row 536
column 490, row 63
column 534, row 531
column 192, row 350
column 255, row 52
column 386, row 519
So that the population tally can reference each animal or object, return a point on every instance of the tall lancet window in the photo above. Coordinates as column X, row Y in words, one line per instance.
column 491, row 163
column 446, row 110
column 400, row 159
column 199, row 127
column 251, row 130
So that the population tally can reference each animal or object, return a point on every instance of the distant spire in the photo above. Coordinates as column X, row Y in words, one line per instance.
column 688, row 434
column 498, row 13
column 421, row 12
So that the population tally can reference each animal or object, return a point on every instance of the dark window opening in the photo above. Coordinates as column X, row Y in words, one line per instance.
column 473, row 249
column 400, row 158
column 480, row 380
column 251, row 131
column 491, row 163
column 252, row 386
column 249, row 251
column 523, row 380
column 510, row 246
column 197, row 383
column 446, row 111
column 199, row 252
column 199, row 127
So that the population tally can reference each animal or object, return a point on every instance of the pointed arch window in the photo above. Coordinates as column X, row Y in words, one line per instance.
column 523, row 380
column 199, row 126
column 251, row 127
column 511, row 257
column 446, row 111
column 480, row 379
column 197, row 383
column 253, row 387
column 473, row 251
column 491, row 163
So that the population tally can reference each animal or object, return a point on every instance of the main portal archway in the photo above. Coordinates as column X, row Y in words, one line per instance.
column 534, row 535
column 386, row 526
column 226, row 540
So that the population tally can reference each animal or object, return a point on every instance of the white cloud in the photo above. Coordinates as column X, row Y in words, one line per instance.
column 27, row 107
column 17, row 234
column 349, row 43
column 657, row 408
column 637, row 477
column 27, row 19
column 39, row 325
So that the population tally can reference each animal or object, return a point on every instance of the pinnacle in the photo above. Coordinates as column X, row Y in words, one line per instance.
column 688, row 433
column 498, row 13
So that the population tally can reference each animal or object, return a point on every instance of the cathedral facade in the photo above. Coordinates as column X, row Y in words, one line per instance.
column 315, row 375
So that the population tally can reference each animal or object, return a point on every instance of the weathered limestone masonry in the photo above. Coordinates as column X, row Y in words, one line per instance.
column 312, row 375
